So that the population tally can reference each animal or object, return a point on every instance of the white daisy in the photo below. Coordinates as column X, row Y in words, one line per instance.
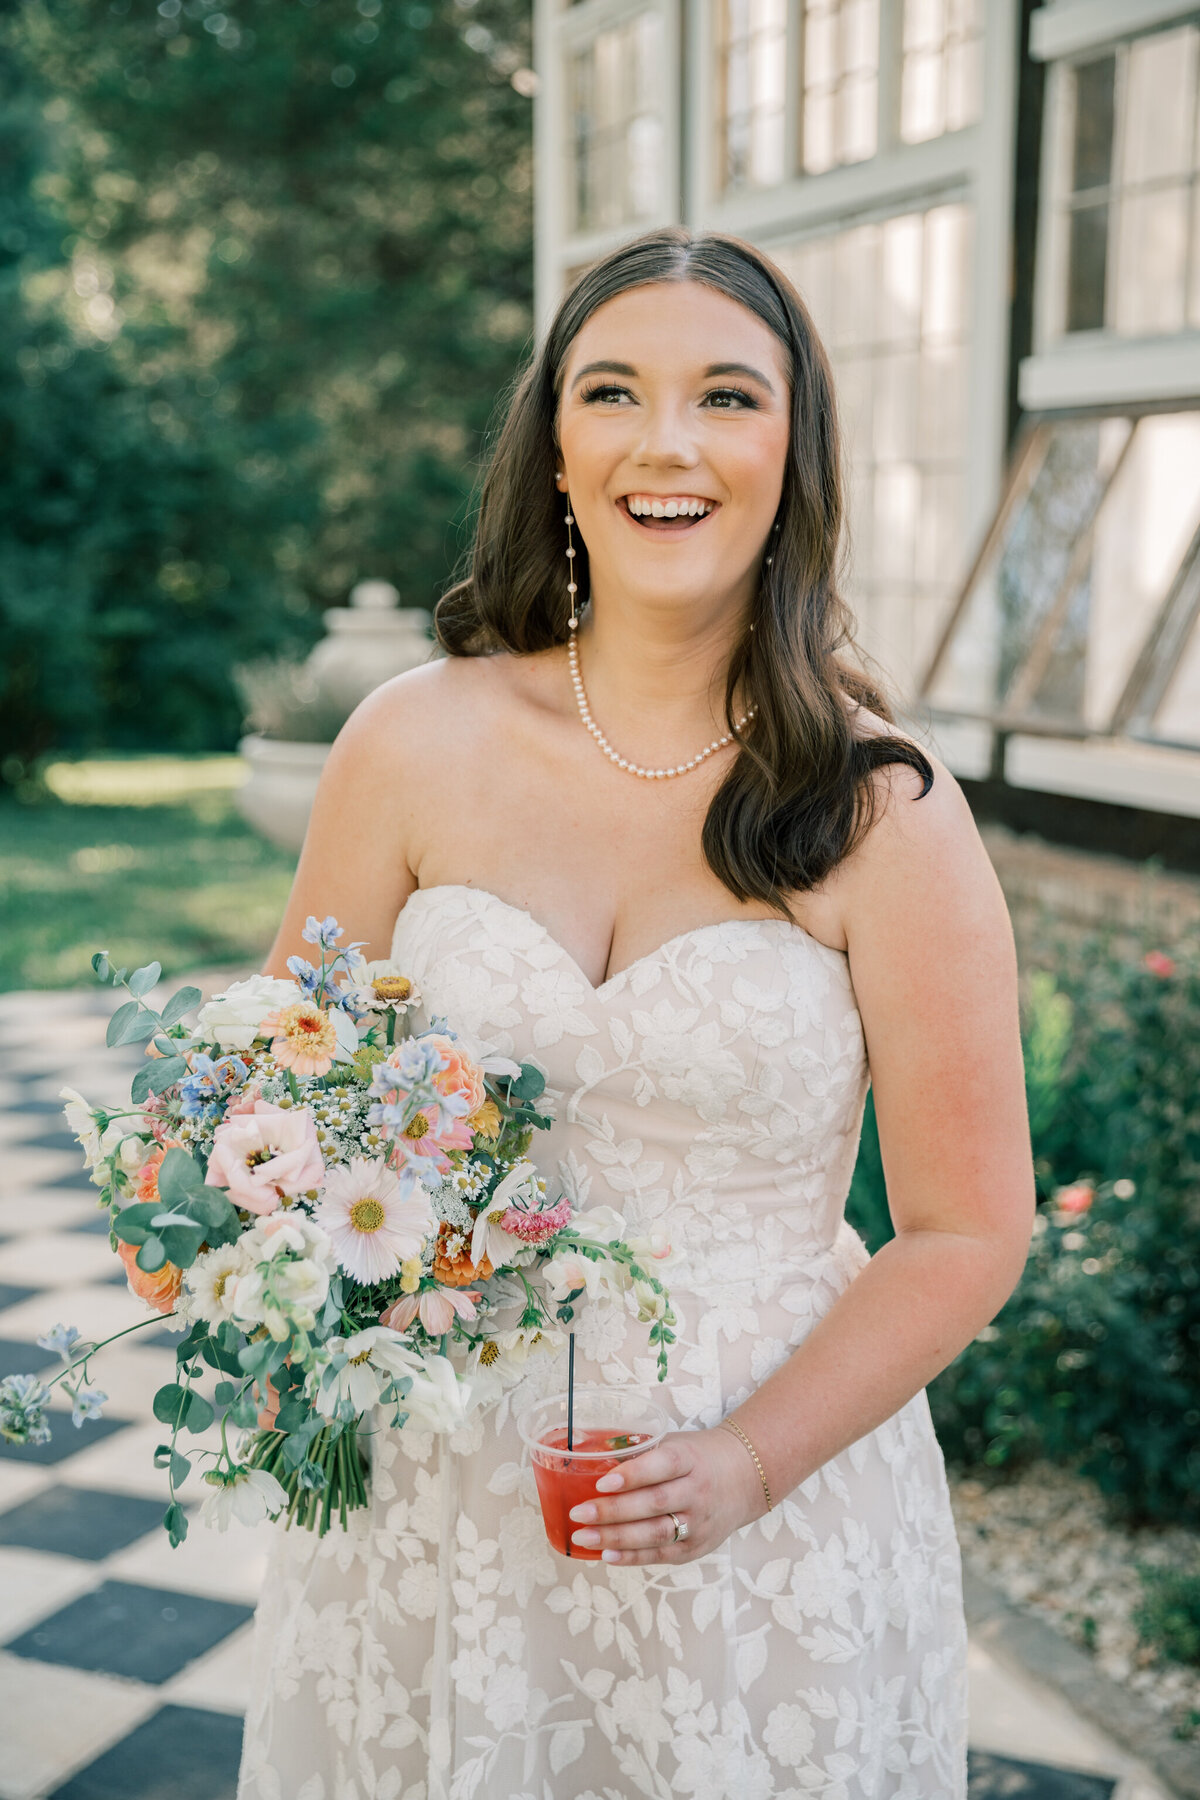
column 209, row 1282
column 369, row 1363
column 248, row 1495
column 374, row 1221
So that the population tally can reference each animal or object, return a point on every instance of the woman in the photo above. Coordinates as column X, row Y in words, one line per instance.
column 645, row 826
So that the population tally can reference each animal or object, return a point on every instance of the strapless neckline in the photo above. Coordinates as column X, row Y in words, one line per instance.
column 612, row 982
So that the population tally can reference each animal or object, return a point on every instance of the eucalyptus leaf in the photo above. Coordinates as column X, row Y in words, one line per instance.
column 152, row 1255
column 175, row 1521
column 142, row 980
column 199, row 1415
column 170, row 1404
column 180, row 1178
column 181, row 1468
column 166, row 1073
column 139, row 1087
column 180, row 1002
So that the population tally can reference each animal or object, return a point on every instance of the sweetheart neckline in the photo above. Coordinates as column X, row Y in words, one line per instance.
column 611, row 981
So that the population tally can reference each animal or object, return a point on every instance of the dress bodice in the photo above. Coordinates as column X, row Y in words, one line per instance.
column 715, row 1085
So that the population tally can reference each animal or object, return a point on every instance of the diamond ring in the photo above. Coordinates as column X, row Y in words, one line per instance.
column 681, row 1528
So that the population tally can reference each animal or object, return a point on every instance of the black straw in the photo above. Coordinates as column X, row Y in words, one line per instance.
column 571, row 1394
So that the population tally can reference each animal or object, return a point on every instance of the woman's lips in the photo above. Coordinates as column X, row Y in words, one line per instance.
column 660, row 525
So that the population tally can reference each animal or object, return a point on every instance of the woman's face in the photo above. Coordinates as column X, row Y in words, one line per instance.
column 673, row 435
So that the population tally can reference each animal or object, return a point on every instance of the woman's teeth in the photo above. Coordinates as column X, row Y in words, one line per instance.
column 645, row 506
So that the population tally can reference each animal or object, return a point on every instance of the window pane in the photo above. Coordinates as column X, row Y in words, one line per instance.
column 751, row 79
column 1151, row 251
column 1160, row 83
column 1092, row 162
column 940, row 88
column 892, row 304
column 840, row 100
column 1019, row 582
column 616, row 133
column 1178, row 718
column 1145, row 526
column 1087, row 266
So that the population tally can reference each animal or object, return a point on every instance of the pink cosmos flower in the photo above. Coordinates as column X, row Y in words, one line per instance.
column 262, row 1155
column 436, row 1309
column 375, row 1222
column 1159, row 963
column 424, row 1141
column 1076, row 1198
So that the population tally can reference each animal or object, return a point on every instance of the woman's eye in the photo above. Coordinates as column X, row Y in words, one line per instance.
column 606, row 391
column 730, row 399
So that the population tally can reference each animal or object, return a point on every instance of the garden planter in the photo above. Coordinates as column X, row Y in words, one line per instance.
column 277, row 798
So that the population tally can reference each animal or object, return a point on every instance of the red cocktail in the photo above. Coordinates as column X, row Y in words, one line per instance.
column 609, row 1425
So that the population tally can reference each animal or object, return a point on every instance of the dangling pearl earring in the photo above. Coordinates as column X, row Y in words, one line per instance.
column 773, row 540
column 572, row 586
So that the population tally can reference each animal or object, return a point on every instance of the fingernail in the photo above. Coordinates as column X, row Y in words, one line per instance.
column 610, row 1556
column 608, row 1484
column 585, row 1514
column 588, row 1539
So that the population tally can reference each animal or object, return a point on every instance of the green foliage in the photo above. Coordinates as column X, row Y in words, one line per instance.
column 1094, row 1361
column 259, row 289
column 1169, row 1614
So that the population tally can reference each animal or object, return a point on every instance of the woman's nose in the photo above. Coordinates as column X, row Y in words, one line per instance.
column 666, row 439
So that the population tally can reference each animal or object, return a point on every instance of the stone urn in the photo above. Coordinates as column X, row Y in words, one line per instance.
column 366, row 643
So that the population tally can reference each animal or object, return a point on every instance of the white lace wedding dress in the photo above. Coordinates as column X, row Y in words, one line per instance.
column 440, row 1650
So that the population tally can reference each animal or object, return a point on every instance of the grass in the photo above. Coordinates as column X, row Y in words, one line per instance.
column 145, row 857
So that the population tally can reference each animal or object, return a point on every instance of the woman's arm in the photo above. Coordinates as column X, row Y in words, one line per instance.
column 934, row 972
column 355, row 862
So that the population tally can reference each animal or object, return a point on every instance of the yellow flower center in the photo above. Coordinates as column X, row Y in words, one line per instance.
column 489, row 1354
column 362, row 1357
column 417, row 1127
column 219, row 1286
column 391, row 987
column 367, row 1215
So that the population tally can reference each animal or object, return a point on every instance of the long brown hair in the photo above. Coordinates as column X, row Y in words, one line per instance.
column 801, row 793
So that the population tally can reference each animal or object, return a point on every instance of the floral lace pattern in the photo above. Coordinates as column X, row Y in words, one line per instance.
column 440, row 1650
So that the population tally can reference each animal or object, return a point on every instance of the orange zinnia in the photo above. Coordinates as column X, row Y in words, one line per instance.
column 452, row 1264
column 306, row 1041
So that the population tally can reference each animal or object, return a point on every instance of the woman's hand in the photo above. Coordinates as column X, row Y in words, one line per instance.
column 706, row 1478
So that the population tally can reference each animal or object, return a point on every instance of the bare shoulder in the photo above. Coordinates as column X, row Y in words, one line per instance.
column 920, row 869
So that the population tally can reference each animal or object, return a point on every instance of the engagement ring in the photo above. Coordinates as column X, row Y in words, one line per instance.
column 681, row 1528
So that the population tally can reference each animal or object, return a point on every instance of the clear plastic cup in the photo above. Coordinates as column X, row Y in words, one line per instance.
column 609, row 1426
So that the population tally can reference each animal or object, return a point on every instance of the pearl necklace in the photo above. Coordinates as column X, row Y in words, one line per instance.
column 623, row 762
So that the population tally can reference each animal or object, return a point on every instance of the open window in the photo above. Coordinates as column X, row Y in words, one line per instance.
column 1081, row 616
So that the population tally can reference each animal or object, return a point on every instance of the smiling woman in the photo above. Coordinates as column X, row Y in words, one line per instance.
column 649, row 827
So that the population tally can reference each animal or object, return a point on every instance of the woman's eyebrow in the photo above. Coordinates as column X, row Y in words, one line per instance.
column 739, row 369
column 628, row 370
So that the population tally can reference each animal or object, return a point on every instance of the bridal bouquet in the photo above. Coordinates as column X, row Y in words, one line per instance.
column 341, row 1215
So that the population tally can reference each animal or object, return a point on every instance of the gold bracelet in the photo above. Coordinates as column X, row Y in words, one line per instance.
column 754, row 1453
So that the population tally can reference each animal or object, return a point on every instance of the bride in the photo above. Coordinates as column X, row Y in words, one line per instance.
column 647, row 825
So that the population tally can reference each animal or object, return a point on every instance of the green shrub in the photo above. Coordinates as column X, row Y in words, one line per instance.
column 1094, row 1361
column 1169, row 1614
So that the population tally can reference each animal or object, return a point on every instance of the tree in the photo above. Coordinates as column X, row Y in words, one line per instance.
column 291, row 269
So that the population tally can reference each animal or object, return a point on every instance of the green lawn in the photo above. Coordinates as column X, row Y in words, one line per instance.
column 145, row 857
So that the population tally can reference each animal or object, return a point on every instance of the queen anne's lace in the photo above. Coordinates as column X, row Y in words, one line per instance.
column 440, row 1650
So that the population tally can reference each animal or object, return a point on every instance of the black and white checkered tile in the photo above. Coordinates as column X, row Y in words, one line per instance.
column 123, row 1663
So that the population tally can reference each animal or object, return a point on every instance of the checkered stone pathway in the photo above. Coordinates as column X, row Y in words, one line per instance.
column 124, row 1663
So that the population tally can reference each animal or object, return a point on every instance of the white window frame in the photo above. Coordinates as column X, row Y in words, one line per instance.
column 1100, row 368
column 559, row 33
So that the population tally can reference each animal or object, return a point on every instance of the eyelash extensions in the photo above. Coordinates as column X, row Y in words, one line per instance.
column 602, row 388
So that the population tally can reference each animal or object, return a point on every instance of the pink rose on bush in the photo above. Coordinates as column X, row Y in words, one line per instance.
column 262, row 1155
column 1076, row 1198
column 1158, row 963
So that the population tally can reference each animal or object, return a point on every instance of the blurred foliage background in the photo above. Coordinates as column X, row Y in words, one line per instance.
column 265, row 268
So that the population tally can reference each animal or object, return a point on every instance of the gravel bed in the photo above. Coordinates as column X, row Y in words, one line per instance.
column 1045, row 1539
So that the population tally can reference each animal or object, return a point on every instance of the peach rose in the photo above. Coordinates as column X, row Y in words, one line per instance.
column 159, row 1290
column 460, row 1076
column 262, row 1155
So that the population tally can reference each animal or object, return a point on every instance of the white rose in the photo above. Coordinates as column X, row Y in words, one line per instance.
column 302, row 1286
column 231, row 1020
column 133, row 1152
column 598, row 1224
